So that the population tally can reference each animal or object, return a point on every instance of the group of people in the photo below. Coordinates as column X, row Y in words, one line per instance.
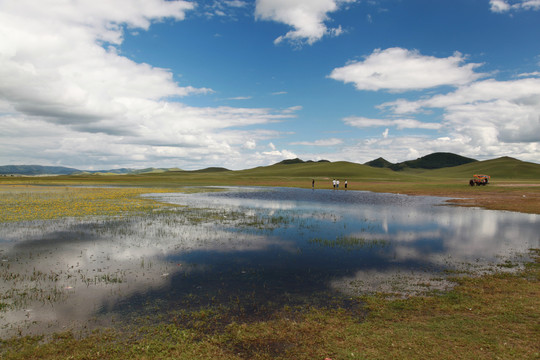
column 335, row 182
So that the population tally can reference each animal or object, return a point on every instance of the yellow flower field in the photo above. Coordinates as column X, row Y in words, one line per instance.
column 28, row 202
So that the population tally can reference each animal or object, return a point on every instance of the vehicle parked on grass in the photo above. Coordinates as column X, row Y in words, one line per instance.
column 479, row 180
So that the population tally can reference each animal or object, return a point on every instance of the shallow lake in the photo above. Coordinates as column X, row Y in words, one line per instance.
column 246, row 252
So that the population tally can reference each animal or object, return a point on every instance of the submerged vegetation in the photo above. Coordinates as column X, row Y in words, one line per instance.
column 350, row 243
column 488, row 317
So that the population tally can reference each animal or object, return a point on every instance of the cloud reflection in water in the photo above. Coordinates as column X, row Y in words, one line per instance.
column 274, row 244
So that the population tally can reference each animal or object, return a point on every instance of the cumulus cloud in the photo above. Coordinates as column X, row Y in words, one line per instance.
column 502, row 6
column 61, row 69
column 398, row 69
column 482, row 116
column 499, row 6
column 52, row 64
column 276, row 155
column 307, row 17
column 396, row 148
column 487, row 115
column 362, row 122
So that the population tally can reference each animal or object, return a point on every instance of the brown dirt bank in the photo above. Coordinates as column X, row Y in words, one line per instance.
column 507, row 196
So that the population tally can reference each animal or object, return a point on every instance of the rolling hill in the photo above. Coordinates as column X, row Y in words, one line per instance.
column 338, row 169
column 432, row 161
column 437, row 165
column 379, row 163
column 500, row 168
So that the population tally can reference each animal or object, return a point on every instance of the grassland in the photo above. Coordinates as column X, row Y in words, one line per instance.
column 30, row 202
column 514, row 186
column 488, row 317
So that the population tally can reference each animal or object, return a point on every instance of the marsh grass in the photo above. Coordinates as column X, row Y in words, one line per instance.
column 26, row 203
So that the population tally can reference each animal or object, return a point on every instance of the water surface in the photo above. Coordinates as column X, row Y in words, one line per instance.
column 251, row 249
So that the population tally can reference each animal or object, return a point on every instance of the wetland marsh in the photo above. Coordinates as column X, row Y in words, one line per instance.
column 239, row 252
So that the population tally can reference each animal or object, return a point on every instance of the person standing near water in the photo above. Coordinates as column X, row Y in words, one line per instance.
column 313, row 183
column 334, row 183
column 345, row 184
column 337, row 184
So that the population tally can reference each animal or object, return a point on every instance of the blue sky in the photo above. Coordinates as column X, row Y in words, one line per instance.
column 236, row 83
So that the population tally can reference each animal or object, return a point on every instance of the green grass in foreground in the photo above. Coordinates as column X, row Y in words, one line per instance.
column 490, row 317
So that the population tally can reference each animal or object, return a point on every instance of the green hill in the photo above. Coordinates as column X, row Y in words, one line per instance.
column 298, row 161
column 339, row 169
column 210, row 170
column 501, row 168
column 433, row 161
column 378, row 169
column 379, row 163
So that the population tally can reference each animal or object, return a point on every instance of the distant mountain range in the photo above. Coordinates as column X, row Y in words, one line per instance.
column 433, row 161
column 34, row 170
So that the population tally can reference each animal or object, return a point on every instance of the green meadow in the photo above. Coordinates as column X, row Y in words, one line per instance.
column 514, row 184
column 300, row 174
column 483, row 317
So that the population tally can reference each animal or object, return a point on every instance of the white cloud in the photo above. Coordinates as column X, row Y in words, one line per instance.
column 61, row 70
column 322, row 142
column 100, row 19
column 523, row 92
column 160, row 144
column 241, row 98
column 362, row 122
column 277, row 155
column 226, row 8
column 531, row 74
column 398, row 148
column 488, row 117
column 52, row 65
column 250, row 144
column 499, row 6
column 385, row 133
column 274, row 155
column 307, row 17
column 531, row 4
column 236, row 3
column 398, row 69
column 502, row 6
column 483, row 117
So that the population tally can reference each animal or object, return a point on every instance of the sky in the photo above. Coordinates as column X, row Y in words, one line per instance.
column 103, row 84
